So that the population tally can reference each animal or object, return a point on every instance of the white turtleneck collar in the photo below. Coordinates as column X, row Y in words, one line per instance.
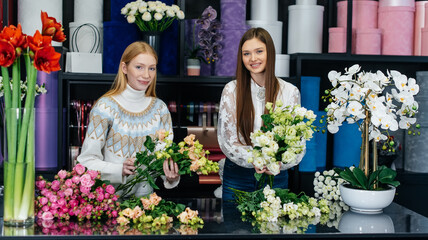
column 133, row 100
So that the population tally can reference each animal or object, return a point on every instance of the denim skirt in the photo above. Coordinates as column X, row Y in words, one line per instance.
column 237, row 177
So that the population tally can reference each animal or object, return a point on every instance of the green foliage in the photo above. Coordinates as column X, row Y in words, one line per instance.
column 377, row 180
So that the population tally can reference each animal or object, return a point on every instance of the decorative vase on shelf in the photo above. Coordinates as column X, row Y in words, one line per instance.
column 19, row 167
column 153, row 39
column 193, row 67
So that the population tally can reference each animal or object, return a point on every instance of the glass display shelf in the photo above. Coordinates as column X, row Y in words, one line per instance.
column 223, row 221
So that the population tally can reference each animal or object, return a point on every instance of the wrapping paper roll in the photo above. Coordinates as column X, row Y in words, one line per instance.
column 364, row 14
column 265, row 10
column 88, row 11
column 424, row 42
column 396, row 3
column 233, row 15
column 419, row 24
column 282, row 65
column 306, row 2
column 369, row 41
column 310, row 91
column 397, row 24
column 305, row 27
column 337, row 40
column 346, row 146
column 275, row 30
column 226, row 65
column 86, row 37
column 29, row 14
column 46, row 121
column 426, row 15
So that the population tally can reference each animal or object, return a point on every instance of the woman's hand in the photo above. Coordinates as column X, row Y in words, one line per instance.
column 170, row 169
column 265, row 170
column 128, row 167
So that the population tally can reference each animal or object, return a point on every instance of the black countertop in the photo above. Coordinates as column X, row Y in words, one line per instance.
column 223, row 221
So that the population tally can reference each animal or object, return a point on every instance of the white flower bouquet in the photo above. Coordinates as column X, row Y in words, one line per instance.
column 151, row 15
column 282, row 137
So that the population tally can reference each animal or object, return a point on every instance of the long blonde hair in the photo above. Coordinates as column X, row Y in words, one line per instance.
column 133, row 50
column 244, row 104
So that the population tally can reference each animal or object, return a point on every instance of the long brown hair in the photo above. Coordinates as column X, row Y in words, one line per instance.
column 133, row 50
column 244, row 104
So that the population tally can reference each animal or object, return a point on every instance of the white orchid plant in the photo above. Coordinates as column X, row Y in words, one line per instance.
column 357, row 93
column 379, row 103
column 151, row 15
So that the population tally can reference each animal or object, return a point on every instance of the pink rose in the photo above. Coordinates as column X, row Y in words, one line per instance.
column 100, row 197
column 110, row 189
column 55, row 185
column 47, row 216
column 73, row 203
column 47, row 223
column 93, row 173
column 79, row 168
column 114, row 213
column 91, row 195
column 40, row 184
column 62, row 174
column 68, row 182
column 75, row 179
column 85, row 190
column 43, row 200
column 68, row 192
column 86, row 181
column 45, row 208
column 61, row 202
column 52, row 198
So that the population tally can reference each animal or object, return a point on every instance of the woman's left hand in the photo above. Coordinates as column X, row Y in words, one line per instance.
column 170, row 169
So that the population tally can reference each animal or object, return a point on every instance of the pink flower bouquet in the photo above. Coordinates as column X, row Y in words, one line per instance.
column 77, row 194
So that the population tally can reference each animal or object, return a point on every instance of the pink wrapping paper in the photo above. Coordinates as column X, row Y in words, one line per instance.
column 419, row 24
column 368, row 41
column 397, row 24
column 337, row 40
column 397, row 3
column 424, row 46
column 364, row 14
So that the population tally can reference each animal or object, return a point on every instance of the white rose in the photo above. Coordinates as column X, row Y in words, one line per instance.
column 170, row 13
column 158, row 16
column 273, row 168
column 180, row 14
column 130, row 18
column 146, row 16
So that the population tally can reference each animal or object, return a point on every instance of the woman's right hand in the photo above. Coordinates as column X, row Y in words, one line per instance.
column 128, row 167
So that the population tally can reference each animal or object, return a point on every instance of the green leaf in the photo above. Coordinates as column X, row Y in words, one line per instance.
column 348, row 176
column 258, row 176
column 361, row 178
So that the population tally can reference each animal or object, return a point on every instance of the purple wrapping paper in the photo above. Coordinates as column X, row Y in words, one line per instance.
column 233, row 15
column 226, row 65
column 46, row 107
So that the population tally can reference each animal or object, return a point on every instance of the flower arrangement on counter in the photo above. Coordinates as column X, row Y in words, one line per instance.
column 87, row 227
column 154, row 214
column 79, row 194
column 151, row 15
column 39, row 55
column 272, row 209
column 282, row 137
column 379, row 104
column 209, row 37
column 188, row 154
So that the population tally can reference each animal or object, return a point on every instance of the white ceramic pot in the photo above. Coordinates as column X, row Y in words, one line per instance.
column 367, row 201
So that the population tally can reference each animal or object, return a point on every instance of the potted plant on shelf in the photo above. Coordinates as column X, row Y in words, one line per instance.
column 379, row 104
column 205, row 46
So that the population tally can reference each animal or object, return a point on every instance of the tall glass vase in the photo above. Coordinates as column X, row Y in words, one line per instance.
column 153, row 39
column 19, row 167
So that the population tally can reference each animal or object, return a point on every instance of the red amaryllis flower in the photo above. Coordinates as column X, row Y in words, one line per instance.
column 52, row 28
column 7, row 53
column 47, row 60
column 38, row 41
column 15, row 36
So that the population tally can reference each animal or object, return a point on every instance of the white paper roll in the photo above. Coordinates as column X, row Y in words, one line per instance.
column 29, row 14
column 266, row 10
column 275, row 30
column 88, row 10
column 306, row 2
column 282, row 65
column 305, row 26
column 86, row 37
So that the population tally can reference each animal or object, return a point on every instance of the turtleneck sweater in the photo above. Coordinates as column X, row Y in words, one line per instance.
column 117, row 130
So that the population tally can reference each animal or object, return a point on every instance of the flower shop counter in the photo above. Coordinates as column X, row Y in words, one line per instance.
column 223, row 220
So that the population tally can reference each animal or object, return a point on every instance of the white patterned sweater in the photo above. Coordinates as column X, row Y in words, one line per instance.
column 117, row 130
column 227, row 123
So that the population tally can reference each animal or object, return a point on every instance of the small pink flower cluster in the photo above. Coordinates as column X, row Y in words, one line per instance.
column 80, row 193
